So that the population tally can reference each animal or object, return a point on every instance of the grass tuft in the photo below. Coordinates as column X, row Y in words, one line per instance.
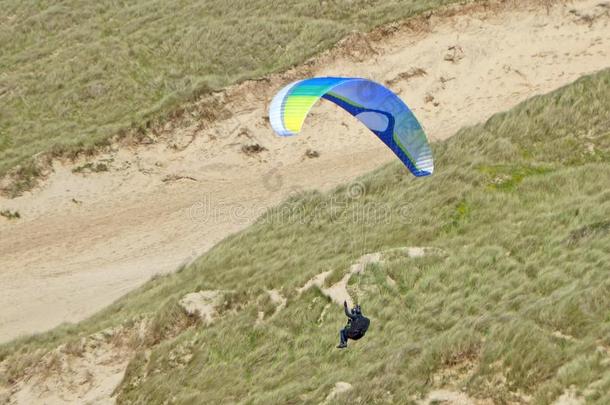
column 8, row 214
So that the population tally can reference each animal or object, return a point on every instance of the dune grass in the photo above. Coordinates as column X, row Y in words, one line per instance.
column 74, row 73
column 516, row 303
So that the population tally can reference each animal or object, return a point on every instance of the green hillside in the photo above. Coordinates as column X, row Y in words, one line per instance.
column 73, row 72
column 515, row 303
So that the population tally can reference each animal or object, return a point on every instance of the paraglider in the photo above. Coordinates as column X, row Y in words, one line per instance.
column 377, row 107
column 357, row 325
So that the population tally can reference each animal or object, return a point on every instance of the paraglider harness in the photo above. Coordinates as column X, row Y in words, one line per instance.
column 357, row 325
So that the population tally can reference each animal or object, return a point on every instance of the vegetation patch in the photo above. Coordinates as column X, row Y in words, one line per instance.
column 10, row 214
column 22, row 179
column 507, row 177
column 91, row 167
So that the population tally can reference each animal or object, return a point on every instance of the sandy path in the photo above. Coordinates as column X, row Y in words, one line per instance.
column 85, row 240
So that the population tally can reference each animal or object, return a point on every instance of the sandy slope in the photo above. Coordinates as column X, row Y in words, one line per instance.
column 86, row 239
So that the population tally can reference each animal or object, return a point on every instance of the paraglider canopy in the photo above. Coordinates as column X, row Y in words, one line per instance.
column 377, row 107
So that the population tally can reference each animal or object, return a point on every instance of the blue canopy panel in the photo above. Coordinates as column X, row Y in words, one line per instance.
column 377, row 107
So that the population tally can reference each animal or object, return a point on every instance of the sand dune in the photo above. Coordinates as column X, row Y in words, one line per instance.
column 85, row 239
